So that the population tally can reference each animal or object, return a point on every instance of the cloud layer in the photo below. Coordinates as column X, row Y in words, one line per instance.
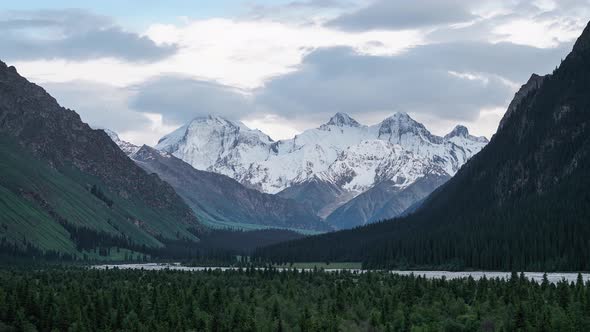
column 401, row 14
column 450, row 81
column 101, row 105
column 288, row 67
column 73, row 35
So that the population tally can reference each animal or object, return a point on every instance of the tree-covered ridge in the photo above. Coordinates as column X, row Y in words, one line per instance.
column 267, row 300
column 521, row 203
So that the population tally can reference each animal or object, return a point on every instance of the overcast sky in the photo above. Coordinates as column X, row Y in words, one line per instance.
column 145, row 67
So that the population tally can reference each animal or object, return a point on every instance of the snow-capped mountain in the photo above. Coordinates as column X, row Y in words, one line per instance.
column 341, row 153
column 215, row 144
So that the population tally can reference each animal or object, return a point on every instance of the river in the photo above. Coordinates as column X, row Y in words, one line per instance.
column 536, row 276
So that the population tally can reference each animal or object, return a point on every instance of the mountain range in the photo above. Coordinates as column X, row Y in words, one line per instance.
column 344, row 172
column 522, row 203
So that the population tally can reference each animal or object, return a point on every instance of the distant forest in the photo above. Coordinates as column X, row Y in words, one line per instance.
column 544, row 233
column 216, row 247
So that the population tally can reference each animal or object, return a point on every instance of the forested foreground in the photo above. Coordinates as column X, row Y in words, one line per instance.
column 92, row 300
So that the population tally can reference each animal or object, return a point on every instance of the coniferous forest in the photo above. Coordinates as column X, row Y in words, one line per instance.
column 269, row 300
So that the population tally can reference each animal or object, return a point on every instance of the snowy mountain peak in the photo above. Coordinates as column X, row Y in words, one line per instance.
column 213, row 119
column 401, row 116
column 458, row 131
column 401, row 127
column 128, row 148
column 210, row 140
column 461, row 132
column 400, row 121
column 342, row 120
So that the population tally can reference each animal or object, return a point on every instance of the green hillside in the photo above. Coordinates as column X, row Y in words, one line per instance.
column 56, row 210
column 68, row 190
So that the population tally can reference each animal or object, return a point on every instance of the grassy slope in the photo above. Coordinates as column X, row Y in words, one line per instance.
column 22, row 218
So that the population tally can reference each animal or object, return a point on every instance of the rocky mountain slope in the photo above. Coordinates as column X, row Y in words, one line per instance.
column 222, row 202
column 83, row 189
column 384, row 201
column 522, row 203
column 327, row 167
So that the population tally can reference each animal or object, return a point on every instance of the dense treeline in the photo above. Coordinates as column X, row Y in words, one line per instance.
column 268, row 300
column 548, row 232
column 11, row 252
column 217, row 247
column 522, row 203
column 247, row 241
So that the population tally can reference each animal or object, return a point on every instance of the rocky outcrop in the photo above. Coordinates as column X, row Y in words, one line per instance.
column 532, row 85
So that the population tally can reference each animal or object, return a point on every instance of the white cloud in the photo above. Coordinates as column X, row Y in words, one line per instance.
column 73, row 34
column 245, row 53
column 233, row 52
column 536, row 33
column 239, row 53
column 149, row 134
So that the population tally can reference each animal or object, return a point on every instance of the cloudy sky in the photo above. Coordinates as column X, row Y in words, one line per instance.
column 145, row 67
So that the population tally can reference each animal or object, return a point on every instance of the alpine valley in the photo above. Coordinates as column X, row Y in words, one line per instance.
column 156, row 209
column 344, row 172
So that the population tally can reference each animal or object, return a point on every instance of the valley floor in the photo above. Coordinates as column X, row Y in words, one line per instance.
column 81, row 299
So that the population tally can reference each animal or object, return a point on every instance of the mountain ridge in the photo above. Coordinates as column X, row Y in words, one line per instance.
column 129, row 207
